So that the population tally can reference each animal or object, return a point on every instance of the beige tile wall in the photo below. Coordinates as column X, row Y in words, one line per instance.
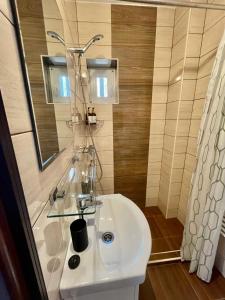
column 90, row 24
column 212, row 33
column 187, row 37
column 36, row 184
column 162, row 59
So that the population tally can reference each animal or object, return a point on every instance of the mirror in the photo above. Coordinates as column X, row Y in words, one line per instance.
column 46, row 66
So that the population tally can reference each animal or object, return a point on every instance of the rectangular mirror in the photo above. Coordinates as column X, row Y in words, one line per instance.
column 45, row 60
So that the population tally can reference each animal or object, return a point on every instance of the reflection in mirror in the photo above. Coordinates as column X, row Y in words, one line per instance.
column 47, row 75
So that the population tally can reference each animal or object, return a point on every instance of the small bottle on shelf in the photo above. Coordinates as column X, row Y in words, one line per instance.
column 88, row 116
column 94, row 117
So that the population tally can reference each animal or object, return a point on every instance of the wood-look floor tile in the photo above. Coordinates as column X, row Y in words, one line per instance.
column 213, row 290
column 160, row 245
column 170, row 283
column 145, row 290
column 151, row 211
column 174, row 242
column 169, row 227
column 155, row 230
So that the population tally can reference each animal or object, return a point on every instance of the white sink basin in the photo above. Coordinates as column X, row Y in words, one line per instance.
column 115, row 266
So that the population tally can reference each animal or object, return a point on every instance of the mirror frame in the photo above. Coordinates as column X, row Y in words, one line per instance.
column 25, row 75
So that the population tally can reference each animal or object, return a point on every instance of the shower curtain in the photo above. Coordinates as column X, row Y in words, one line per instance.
column 207, row 194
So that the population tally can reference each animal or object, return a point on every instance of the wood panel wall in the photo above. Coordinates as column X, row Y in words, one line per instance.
column 133, row 42
column 34, row 40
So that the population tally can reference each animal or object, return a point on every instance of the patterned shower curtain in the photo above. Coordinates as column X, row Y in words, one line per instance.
column 207, row 194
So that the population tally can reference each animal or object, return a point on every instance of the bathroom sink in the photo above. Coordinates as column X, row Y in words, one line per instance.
column 117, row 256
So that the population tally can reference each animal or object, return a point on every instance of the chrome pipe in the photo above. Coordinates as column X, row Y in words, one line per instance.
column 174, row 4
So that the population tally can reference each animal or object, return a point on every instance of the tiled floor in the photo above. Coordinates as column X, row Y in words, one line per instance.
column 173, row 282
column 166, row 233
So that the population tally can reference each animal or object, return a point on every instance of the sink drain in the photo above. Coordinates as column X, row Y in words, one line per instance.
column 108, row 237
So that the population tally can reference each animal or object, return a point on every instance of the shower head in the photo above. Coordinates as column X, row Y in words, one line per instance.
column 94, row 39
column 56, row 36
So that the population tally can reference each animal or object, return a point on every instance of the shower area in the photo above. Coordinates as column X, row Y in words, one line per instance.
column 147, row 143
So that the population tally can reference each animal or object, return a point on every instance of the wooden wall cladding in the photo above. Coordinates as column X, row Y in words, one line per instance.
column 133, row 43
column 34, row 40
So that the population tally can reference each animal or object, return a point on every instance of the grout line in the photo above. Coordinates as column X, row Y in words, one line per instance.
column 4, row 15
column 22, row 132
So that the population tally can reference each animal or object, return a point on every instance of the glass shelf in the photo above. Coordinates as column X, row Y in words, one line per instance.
column 66, row 207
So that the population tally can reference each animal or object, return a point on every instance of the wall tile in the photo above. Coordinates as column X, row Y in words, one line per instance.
column 170, row 127
column 50, row 9
column 11, row 81
column 176, row 175
column 197, row 20
column 185, row 109
column 106, row 157
column 178, row 51
column 165, row 16
column 156, row 141
column 154, row 168
column 198, row 109
column 155, row 156
column 174, row 91
column 88, row 30
column 194, row 129
column 179, row 12
column 36, row 184
column 180, row 144
column 169, row 143
column 158, row 111
column 104, row 112
column 188, row 89
column 212, row 37
column 159, row 94
column 162, row 57
column 191, row 68
column 6, row 9
column 105, row 130
column 85, row 12
column 183, row 127
column 201, row 87
column 181, row 28
column 190, row 162
column 192, row 146
column 153, row 181
column 157, row 126
column 193, row 45
column 161, row 76
column 172, row 110
column 178, row 160
column 176, row 71
column 206, row 63
column 164, row 36
column 212, row 17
